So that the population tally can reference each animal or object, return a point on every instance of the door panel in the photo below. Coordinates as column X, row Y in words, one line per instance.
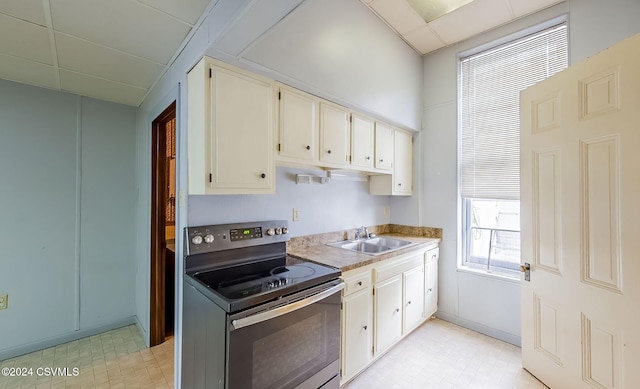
column 546, row 210
column 580, row 186
column 599, row 195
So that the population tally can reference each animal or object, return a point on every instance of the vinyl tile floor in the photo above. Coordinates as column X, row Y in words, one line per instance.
column 437, row 355
column 441, row 355
column 114, row 359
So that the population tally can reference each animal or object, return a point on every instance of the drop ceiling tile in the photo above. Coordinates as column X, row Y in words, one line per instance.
column 424, row 40
column 399, row 14
column 187, row 10
column 29, row 10
column 121, row 24
column 24, row 39
column 84, row 85
column 90, row 58
column 525, row 7
column 471, row 19
column 27, row 72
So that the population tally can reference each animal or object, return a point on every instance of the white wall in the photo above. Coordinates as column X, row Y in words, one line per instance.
column 483, row 303
column 66, row 240
column 340, row 50
column 340, row 204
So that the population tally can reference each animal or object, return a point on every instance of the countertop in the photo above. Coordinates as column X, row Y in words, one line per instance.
column 346, row 260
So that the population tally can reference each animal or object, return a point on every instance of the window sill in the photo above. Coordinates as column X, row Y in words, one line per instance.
column 485, row 273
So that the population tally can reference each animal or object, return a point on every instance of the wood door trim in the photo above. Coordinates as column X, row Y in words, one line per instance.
column 158, row 249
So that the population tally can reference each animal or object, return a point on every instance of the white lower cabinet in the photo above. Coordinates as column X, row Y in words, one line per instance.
column 431, row 281
column 357, row 332
column 413, row 298
column 388, row 313
column 382, row 303
column 357, row 323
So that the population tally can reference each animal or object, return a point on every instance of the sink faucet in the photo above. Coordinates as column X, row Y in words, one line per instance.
column 359, row 232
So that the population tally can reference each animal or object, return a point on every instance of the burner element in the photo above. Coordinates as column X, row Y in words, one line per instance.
column 294, row 271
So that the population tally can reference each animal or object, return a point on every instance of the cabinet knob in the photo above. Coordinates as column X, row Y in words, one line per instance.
column 359, row 283
column 364, row 328
column 397, row 309
column 399, row 183
column 429, row 290
column 263, row 175
column 368, row 158
column 328, row 151
column 308, row 147
column 409, row 302
column 381, row 160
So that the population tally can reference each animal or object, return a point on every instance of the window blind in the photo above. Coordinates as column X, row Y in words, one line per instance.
column 489, row 114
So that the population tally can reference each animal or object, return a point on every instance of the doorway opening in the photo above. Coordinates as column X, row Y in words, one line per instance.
column 163, row 218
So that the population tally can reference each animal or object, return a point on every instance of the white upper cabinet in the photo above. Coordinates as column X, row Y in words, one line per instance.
column 298, row 125
column 362, row 141
column 384, row 147
column 403, row 161
column 230, row 130
column 334, row 135
column 400, row 183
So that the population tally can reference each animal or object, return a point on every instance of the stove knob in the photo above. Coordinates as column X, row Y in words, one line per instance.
column 196, row 239
column 270, row 232
column 278, row 231
column 209, row 238
column 285, row 230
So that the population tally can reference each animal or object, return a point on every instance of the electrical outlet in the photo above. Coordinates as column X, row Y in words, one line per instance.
column 4, row 301
column 296, row 214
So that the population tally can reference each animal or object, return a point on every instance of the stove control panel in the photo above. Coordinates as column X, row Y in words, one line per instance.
column 204, row 239
column 245, row 233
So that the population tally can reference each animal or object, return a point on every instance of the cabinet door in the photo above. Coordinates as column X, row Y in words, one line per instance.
column 357, row 332
column 403, row 158
column 413, row 297
column 361, row 141
column 388, row 313
column 384, row 146
column 334, row 135
column 431, row 282
column 298, row 125
column 241, row 132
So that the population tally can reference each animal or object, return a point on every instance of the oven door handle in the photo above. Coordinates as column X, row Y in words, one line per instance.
column 263, row 316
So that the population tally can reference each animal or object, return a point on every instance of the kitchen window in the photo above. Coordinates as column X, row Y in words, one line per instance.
column 489, row 142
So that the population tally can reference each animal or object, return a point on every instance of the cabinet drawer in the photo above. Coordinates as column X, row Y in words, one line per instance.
column 397, row 267
column 432, row 255
column 357, row 282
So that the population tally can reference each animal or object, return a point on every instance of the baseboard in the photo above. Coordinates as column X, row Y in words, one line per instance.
column 481, row 328
column 57, row 340
column 143, row 331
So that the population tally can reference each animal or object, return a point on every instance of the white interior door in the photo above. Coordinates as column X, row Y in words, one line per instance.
column 580, row 199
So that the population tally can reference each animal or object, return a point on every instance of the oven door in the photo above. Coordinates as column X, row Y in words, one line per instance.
column 294, row 345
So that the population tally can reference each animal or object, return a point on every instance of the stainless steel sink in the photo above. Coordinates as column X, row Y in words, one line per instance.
column 373, row 246
column 390, row 242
